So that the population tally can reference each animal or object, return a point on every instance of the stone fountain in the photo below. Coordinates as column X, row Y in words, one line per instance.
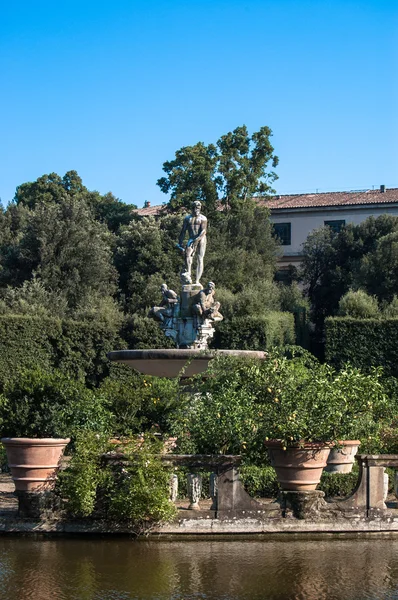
column 187, row 317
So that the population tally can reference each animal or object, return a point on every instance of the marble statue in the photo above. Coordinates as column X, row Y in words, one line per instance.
column 196, row 226
column 189, row 318
column 167, row 304
column 207, row 307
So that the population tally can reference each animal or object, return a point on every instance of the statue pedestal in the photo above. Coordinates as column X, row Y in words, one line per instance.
column 189, row 297
column 193, row 332
column 188, row 322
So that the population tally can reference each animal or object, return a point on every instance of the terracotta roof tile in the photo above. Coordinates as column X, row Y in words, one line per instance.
column 332, row 199
column 151, row 211
column 310, row 200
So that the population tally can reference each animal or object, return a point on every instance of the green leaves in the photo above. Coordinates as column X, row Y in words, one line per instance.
column 230, row 172
column 134, row 487
column 41, row 404
column 242, row 403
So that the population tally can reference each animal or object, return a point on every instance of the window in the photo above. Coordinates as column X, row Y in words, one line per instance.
column 284, row 232
column 335, row 225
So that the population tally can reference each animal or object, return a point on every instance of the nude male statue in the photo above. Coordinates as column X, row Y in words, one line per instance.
column 206, row 306
column 166, row 308
column 196, row 225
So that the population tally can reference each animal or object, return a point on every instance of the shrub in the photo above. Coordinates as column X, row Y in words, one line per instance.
column 39, row 404
column 362, row 342
column 76, row 348
column 359, row 305
column 242, row 403
column 133, row 487
column 391, row 310
column 255, row 333
column 338, row 484
column 260, row 482
column 138, row 402
column 141, row 333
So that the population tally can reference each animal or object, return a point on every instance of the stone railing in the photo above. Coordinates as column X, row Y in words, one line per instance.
column 226, row 489
column 231, row 500
column 370, row 492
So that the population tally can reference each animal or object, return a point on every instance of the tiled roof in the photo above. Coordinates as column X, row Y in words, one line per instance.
column 353, row 198
column 332, row 199
column 150, row 211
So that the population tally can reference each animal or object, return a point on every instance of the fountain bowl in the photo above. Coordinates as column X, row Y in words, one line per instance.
column 176, row 362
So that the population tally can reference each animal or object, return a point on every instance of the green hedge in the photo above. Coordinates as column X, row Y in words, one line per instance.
column 76, row 348
column 256, row 333
column 363, row 342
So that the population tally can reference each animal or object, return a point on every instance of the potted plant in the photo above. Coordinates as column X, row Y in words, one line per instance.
column 308, row 409
column 38, row 410
column 342, row 456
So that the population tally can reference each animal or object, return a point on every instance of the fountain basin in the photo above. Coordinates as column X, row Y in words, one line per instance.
column 170, row 362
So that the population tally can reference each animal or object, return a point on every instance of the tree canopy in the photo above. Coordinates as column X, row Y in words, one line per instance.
column 229, row 172
column 363, row 256
column 66, row 251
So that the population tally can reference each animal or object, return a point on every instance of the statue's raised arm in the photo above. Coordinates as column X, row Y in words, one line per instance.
column 196, row 226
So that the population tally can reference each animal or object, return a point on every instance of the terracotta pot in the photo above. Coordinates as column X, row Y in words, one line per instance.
column 298, row 468
column 34, row 463
column 340, row 460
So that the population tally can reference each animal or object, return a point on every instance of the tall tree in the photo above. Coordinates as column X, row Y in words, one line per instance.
column 53, row 189
column 53, row 233
column 359, row 256
column 229, row 172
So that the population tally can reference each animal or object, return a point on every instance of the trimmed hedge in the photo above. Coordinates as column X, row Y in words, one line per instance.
column 76, row 348
column 362, row 342
column 256, row 333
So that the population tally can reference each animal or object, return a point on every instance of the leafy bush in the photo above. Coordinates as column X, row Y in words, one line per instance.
column 339, row 484
column 359, row 305
column 255, row 332
column 259, row 299
column 133, row 487
column 316, row 403
column 76, row 348
column 79, row 483
column 292, row 298
column 38, row 404
column 258, row 481
column 242, row 403
column 363, row 342
column 141, row 333
column 390, row 310
column 139, row 403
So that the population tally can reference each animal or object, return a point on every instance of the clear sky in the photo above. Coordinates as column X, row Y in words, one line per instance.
column 112, row 89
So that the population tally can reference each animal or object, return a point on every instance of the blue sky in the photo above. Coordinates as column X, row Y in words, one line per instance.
column 113, row 89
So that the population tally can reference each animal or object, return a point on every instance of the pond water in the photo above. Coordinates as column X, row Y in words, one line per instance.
column 123, row 569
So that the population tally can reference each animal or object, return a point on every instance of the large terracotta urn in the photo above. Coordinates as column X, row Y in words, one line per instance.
column 342, row 458
column 34, row 463
column 298, row 468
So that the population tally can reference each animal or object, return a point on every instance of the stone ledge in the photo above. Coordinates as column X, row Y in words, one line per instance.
column 206, row 526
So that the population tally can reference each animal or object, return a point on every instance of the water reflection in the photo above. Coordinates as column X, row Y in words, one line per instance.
column 123, row 569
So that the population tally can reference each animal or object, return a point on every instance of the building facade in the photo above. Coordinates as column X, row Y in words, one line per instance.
column 295, row 216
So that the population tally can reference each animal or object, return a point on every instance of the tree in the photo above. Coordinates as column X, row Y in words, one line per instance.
column 229, row 172
column 378, row 271
column 70, row 251
column 49, row 189
column 50, row 234
column 335, row 262
column 145, row 257
column 53, row 189
column 356, row 257
column 242, row 250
